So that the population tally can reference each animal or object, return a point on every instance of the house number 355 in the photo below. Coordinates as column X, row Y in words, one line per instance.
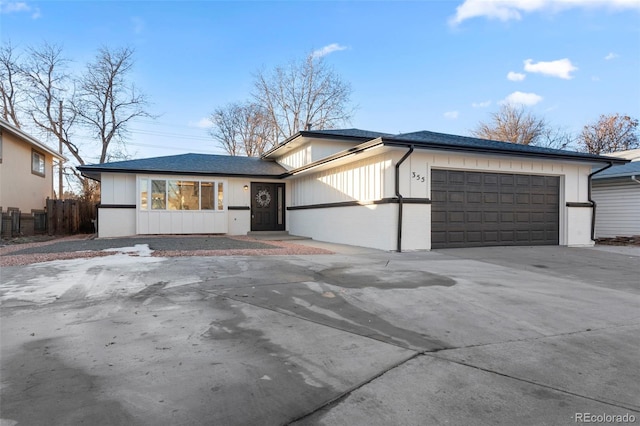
column 417, row 176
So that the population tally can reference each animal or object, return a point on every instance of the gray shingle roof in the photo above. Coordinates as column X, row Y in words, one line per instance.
column 426, row 137
column 625, row 170
column 353, row 133
column 201, row 164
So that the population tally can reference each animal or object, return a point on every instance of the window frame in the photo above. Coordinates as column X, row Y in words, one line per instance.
column 35, row 153
column 215, row 185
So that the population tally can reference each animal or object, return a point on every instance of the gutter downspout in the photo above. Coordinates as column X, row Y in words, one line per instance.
column 593, row 203
column 635, row 179
column 400, row 198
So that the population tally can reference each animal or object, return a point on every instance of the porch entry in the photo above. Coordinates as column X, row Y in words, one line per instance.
column 267, row 206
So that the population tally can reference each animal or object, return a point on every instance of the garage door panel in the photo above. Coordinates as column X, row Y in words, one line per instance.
column 493, row 209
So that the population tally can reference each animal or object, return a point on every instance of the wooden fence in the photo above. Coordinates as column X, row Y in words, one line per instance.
column 62, row 217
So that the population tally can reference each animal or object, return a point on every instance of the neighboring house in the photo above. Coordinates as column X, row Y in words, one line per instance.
column 26, row 170
column 410, row 191
column 616, row 192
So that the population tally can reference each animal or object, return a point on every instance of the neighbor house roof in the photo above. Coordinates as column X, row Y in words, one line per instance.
column 190, row 164
column 21, row 134
column 626, row 170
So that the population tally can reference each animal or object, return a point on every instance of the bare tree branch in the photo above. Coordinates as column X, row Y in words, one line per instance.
column 11, row 84
column 106, row 102
column 610, row 133
column 302, row 95
column 512, row 124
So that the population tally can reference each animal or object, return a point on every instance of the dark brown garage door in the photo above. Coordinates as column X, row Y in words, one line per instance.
column 472, row 209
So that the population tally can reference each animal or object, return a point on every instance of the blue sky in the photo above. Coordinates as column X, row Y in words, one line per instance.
column 421, row 65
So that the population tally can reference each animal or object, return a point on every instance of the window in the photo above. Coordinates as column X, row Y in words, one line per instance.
column 206, row 195
column 158, row 194
column 220, row 196
column 181, row 195
column 37, row 163
column 144, row 194
column 0, row 146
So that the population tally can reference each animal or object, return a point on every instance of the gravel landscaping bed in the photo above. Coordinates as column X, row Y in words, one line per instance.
column 161, row 246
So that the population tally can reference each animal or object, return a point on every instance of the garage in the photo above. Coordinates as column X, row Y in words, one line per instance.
column 474, row 209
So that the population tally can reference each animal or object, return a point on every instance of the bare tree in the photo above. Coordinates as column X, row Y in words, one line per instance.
column 11, row 84
column 303, row 95
column 242, row 129
column 49, row 86
column 513, row 124
column 609, row 134
column 106, row 102
column 100, row 102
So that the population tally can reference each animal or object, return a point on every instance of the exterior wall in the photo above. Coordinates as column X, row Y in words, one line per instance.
column 365, row 180
column 366, row 226
column 312, row 150
column 322, row 148
column 118, row 188
column 116, row 222
column 295, row 158
column 618, row 209
column 373, row 179
column 18, row 186
column 120, row 214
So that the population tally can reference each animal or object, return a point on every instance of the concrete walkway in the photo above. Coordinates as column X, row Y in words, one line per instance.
column 468, row 336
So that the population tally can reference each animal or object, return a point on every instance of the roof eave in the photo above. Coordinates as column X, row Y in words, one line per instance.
column 99, row 170
column 441, row 147
column 33, row 141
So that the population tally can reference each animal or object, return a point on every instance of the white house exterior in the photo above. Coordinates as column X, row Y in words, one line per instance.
column 616, row 192
column 412, row 191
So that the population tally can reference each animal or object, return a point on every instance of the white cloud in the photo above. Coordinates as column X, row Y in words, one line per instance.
column 19, row 7
column 203, row 123
column 506, row 10
column 330, row 48
column 451, row 115
column 481, row 104
column 562, row 68
column 611, row 56
column 516, row 76
column 520, row 98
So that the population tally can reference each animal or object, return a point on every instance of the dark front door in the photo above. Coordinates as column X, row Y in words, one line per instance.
column 267, row 206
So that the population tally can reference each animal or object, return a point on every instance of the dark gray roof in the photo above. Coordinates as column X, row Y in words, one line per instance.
column 629, row 169
column 350, row 133
column 433, row 140
column 192, row 164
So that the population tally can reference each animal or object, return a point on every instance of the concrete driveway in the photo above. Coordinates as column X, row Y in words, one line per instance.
column 524, row 336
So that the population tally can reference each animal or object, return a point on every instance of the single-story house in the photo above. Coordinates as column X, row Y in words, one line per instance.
column 26, row 171
column 616, row 192
column 411, row 191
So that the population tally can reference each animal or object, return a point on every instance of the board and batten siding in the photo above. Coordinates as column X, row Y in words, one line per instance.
column 373, row 178
column 618, row 209
column 312, row 150
column 366, row 180
column 115, row 219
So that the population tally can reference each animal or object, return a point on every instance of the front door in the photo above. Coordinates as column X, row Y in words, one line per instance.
column 267, row 206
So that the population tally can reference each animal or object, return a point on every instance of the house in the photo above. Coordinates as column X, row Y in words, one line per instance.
column 26, row 172
column 616, row 192
column 411, row 191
